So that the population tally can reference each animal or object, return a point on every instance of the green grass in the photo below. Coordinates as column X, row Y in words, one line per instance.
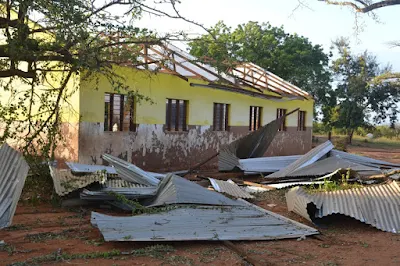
column 334, row 185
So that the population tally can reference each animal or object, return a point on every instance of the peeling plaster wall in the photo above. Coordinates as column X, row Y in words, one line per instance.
column 154, row 149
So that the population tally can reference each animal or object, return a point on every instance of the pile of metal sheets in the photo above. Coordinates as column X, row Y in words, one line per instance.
column 266, row 164
column 176, row 190
column 214, row 223
column 376, row 205
column 66, row 182
column 130, row 172
column 309, row 158
column 13, row 172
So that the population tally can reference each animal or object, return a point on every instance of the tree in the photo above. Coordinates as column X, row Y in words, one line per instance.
column 66, row 38
column 364, row 6
column 290, row 56
column 356, row 101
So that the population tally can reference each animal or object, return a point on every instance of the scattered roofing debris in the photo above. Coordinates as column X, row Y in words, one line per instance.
column 65, row 182
column 229, row 187
column 364, row 160
column 86, row 168
column 176, row 190
column 14, row 170
column 246, row 222
column 130, row 172
column 309, row 158
column 329, row 165
column 377, row 205
column 252, row 145
column 266, row 164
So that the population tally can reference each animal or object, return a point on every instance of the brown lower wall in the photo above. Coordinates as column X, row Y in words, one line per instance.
column 152, row 148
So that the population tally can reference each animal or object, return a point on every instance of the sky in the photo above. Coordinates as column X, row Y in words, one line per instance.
column 318, row 21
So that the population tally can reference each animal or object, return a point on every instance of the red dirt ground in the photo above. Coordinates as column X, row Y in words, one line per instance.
column 44, row 230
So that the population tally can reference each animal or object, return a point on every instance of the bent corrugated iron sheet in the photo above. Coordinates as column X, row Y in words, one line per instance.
column 252, row 145
column 130, row 172
column 230, row 188
column 266, row 164
column 65, row 182
column 310, row 157
column 176, row 190
column 13, row 172
column 377, row 205
column 364, row 160
column 214, row 223
column 329, row 165
column 87, row 168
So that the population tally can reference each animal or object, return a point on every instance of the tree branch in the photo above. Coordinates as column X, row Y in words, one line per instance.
column 366, row 7
column 16, row 72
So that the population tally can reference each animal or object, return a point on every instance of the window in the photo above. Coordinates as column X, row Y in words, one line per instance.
column 280, row 113
column 118, row 112
column 220, row 118
column 176, row 115
column 255, row 118
column 301, row 121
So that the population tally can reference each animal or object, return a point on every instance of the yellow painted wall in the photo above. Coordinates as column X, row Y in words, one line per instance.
column 161, row 86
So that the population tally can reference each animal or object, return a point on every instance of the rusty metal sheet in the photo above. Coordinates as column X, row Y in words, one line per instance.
column 230, row 188
column 376, row 205
column 65, row 182
column 310, row 157
column 210, row 223
column 13, row 172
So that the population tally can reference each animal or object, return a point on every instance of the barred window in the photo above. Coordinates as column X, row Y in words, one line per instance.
column 176, row 115
column 280, row 113
column 301, row 121
column 118, row 112
column 221, row 117
column 255, row 118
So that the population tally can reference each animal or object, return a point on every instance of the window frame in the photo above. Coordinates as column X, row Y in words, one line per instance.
column 223, row 120
column 109, row 112
column 279, row 113
column 178, row 119
column 255, row 112
column 301, row 121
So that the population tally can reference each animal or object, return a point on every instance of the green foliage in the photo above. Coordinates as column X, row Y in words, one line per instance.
column 42, row 65
column 289, row 56
column 334, row 185
column 356, row 100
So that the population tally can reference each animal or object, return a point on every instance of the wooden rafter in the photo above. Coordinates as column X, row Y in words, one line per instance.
column 179, row 64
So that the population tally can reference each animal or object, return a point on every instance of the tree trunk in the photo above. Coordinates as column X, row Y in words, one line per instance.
column 350, row 136
column 330, row 135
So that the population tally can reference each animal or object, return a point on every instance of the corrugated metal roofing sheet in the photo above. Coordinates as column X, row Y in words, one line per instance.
column 130, row 172
column 65, row 182
column 266, row 164
column 119, row 183
column 87, row 168
column 329, row 165
column 363, row 160
column 377, row 205
column 213, row 223
column 230, row 188
column 252, row 145
column 14, row 170
column 310, row 157
column 177, row 190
